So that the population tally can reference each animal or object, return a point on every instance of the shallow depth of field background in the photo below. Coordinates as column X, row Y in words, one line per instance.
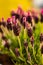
column 7, row 5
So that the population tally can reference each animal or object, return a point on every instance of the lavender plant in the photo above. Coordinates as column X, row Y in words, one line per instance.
column 23, row 45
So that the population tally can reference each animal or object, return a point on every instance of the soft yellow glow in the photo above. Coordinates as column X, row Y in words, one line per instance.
column 7, row 5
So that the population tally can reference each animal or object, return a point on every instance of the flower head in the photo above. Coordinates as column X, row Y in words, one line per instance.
column 41, row 11
column 9, row 24
column 42, row 49
column 7, row 44
column 32, row 40
column 9, row 20
column 29, row 32
column 12, row 13
column 17, row 52
column 3, row 22
column 41, row 37
column 25, row 43
column 16, row 29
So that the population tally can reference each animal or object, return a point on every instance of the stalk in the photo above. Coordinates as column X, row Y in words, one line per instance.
column 20, row 46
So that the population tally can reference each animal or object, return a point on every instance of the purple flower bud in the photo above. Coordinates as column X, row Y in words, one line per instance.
column 29, row 32
column 4, row 38
column 3, row 22
column 41, row 11
column 16, row 29
column 41, row 14
column 41, row 37
column 7, row 44
column 42, row 49
column 17, row 16
column 32, row 40
column 13, row 19
column 9, row 26
column 9, row 20
column 25, row 43
column 29, row 56
column 20, row 11
column 29, row 19
column 12, row 13
column 17, row 52
column 24, row 19
column 36, row 19
column 41, row 20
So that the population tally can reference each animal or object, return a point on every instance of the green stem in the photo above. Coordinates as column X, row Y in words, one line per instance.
column 13, row 61
column 12, row 53
column 20, row 46
column 25, row 34
column 34, row 55
column 42, row 59
column 27, row 50
column 21, row 59
column 29, row 62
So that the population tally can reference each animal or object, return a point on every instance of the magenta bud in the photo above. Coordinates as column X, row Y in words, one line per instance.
column 25, row 43
column 42, row 11
column 24, row 19
column 19, row 11
column 19, row 8
column 41, row 37
column 13, row 17
column 14, row 20
column 9, row 20
column 32, row 40
column 29, row 14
